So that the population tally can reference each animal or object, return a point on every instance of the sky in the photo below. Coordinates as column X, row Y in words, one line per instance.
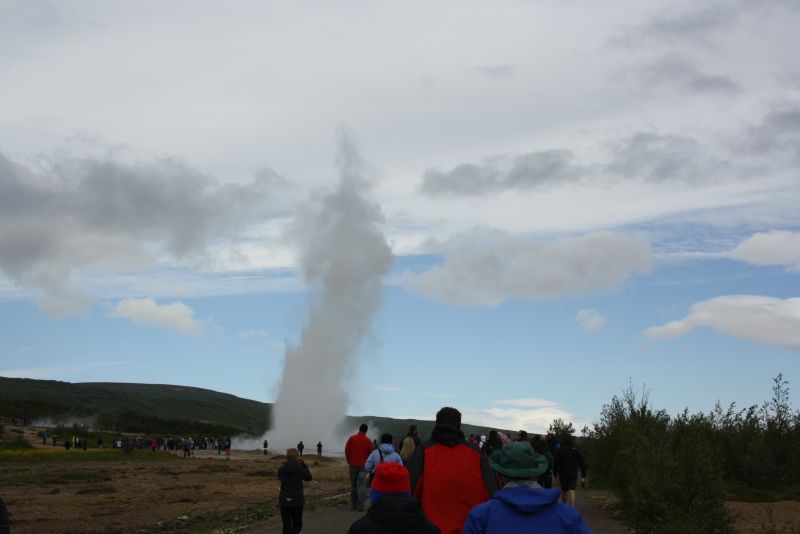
column 577, row 196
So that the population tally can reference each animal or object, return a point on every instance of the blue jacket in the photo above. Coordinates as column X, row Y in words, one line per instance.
column 389, row 455
column 524, row 509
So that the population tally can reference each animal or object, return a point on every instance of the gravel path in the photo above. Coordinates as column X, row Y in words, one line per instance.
column 591, row 503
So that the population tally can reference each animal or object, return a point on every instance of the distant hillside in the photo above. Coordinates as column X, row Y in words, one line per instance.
column 161, row 408
column 117, row 406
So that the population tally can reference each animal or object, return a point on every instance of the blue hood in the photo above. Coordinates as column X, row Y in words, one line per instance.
column 527, row 499
column 387, row 448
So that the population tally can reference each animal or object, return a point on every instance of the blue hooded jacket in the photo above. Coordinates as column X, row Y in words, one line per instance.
column 524, row 509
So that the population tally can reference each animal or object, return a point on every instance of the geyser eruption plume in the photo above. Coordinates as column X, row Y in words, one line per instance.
column 345, row 255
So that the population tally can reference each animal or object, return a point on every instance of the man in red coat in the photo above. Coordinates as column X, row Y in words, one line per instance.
column 357, row 449
column 449, row 475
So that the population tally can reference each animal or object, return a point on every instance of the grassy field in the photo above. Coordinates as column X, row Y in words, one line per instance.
column 54, row 490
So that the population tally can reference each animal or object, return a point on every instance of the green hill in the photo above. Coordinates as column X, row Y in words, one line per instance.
column 161, row 408
column 156, row 408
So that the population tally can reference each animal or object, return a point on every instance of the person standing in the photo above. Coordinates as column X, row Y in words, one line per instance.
column 566, row 463
column 266, row 446
column 319, row 448
column 522, row 505
column 291, row 498
column 409, row 444
column 384, row 453
column 492, row 444
column 392, row 509
column 356, row 451
column 5, row 524
column 449, row 475
column 300, row 447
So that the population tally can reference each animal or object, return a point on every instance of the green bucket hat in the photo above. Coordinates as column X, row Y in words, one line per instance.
column 517, row 460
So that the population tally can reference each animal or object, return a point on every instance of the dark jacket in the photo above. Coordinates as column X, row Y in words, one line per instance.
column 394, row 514
column 292, row 474
column 449, row 476
column 567, row 462
column 492, row 445
column 525, row 509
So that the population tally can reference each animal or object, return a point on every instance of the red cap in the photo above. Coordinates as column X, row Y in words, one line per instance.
column 391, row 477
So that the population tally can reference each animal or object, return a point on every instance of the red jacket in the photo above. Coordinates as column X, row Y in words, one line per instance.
column 357, row 449
column 449, row 476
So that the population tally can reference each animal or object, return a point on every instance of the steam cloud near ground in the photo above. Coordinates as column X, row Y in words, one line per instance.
column 345, row 255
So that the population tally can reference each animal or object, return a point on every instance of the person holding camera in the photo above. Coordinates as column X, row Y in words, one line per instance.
column 291, row 499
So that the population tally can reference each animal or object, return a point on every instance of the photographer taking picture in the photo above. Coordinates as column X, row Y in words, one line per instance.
column 291, row 498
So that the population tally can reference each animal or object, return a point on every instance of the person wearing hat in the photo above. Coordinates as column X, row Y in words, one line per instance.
column 522, row 505
column 449, row 475
column 392, row 509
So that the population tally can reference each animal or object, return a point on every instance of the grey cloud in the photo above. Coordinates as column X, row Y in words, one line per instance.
column 103, row 214
column 654, row 157
column 678, row 27
column 486, row 268
column 644, row 156
column 779, row 133
column 675, row 72
column 496, row 71
column 534, row 170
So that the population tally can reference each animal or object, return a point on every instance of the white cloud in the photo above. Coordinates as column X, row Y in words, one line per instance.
column 770, row 248
column 590, row 320
column 752, row 317
column 532, row 419
column 526, row 403
column 486, row 267
column 176, row 315
column 247, row 334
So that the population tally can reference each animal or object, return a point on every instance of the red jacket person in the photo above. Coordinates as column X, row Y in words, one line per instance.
column 449, row 475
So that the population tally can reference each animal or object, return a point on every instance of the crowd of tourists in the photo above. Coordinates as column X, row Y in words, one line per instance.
column 450, row 484
column 186, row 445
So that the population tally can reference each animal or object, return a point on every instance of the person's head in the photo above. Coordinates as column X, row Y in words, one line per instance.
column 390, row 479
column 517, row 461
column 448, row 416
column 522, row 435
column 493, row 434
column 412, row 430
column 363, row 427
column 292, row 455
column 386, row 438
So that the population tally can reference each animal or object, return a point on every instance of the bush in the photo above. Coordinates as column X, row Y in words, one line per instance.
column 666, row 473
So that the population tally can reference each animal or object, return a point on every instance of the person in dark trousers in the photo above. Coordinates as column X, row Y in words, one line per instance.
column 356, row 451
column 291, row 499
column 540, row 447
column 449, row 475
column 266, row 446
column 392, row 509
column 5, row 523
column 319, row 448
column 300, row 447
column 566, row 463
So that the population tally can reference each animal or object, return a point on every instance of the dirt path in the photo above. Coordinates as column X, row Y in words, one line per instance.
column 591, row 503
